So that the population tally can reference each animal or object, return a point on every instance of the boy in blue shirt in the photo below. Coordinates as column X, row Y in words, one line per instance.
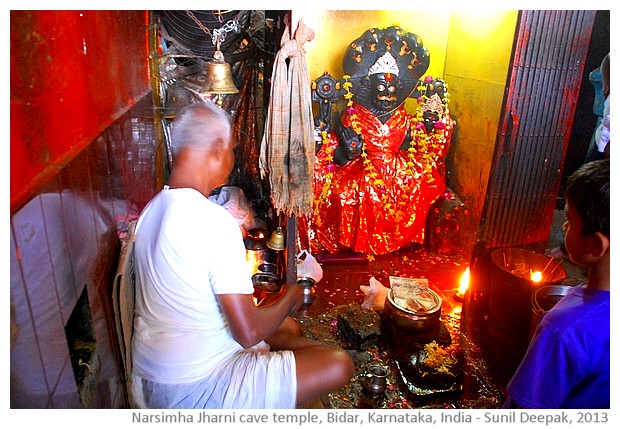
column 567, row 361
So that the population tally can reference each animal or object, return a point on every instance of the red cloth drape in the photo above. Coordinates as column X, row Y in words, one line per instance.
column 377, row 203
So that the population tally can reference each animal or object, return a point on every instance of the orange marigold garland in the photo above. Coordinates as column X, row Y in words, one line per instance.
column 388, row 203
column 423, row 152
column 329, row 158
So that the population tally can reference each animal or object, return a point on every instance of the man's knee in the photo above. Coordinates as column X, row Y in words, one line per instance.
column 291, row 326
column 344, row 363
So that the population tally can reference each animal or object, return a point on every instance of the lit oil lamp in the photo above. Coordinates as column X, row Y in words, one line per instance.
column 536, row 276
column 463, row 285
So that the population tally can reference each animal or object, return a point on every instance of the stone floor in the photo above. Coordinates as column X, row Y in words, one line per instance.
column 338, row 294
column 473, row 385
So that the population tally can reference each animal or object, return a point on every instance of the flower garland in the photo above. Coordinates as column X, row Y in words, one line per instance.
column 428, row 145
column 388, row 203
column 329, row 157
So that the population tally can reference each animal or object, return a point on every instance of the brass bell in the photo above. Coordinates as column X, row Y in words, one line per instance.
column 219, row 77
column 276, row 241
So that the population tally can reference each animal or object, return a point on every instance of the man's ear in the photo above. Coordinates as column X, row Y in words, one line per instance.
column 600, row 244
column 217, row 148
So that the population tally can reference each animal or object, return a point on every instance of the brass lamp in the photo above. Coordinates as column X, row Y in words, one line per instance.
column 276, row 241
column 219, row 76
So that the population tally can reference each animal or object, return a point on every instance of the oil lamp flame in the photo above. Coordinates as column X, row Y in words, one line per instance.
column 464, row 284
column 535, row 276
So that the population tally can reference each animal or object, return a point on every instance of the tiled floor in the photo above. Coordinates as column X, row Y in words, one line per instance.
column 339, row 291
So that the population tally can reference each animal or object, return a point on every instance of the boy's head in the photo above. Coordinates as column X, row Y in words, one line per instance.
column 586, row 230
column 587, row 192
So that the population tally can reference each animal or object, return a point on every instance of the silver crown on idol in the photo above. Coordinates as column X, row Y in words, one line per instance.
column 433, row 104
column 385, row 64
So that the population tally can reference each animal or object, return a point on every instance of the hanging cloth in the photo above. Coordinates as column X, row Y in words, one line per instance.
column 287, row 147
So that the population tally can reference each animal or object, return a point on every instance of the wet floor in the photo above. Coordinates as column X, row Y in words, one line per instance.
column 376, row 341
column 475, row 380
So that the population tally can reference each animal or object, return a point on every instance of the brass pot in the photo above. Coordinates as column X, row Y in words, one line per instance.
column 309, row 289
column 543, row 300
column 412, row 321
column 377, row 380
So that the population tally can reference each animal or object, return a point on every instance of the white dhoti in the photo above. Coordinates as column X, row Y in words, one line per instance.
column 248, row 380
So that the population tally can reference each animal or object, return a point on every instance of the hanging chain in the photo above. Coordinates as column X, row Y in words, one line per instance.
column 219, row 34
column 198, row 22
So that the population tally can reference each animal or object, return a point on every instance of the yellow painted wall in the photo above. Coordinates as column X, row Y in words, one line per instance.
column 471, row 51
column 478, row 56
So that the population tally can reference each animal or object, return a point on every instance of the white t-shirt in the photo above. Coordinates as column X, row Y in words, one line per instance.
column 187, row 250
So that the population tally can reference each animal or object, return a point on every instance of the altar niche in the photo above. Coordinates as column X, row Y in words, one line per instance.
column 379, row 169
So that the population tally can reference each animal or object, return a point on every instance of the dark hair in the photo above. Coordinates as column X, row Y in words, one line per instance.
column 587, row 190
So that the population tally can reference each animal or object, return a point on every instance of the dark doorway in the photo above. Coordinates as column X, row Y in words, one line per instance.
column 585, row 119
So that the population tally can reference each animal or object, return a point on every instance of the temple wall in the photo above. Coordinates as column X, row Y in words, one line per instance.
column 83, row 164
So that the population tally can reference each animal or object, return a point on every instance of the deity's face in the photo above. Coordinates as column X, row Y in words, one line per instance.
column 383, row 87
column 430, row 118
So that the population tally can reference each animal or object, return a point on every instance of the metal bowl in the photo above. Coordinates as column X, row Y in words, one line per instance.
column 265, row 281
column 543, row 300
column 268, row 267
column 259, row 234
column 412, row 321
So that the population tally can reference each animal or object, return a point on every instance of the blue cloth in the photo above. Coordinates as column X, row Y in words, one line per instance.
column 599, row 98
column 567, row 362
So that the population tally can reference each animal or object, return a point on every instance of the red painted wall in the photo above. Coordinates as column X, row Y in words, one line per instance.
column 72, row 74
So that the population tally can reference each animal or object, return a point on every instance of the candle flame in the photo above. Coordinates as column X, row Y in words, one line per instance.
column 535, row 276
column 464, row 284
